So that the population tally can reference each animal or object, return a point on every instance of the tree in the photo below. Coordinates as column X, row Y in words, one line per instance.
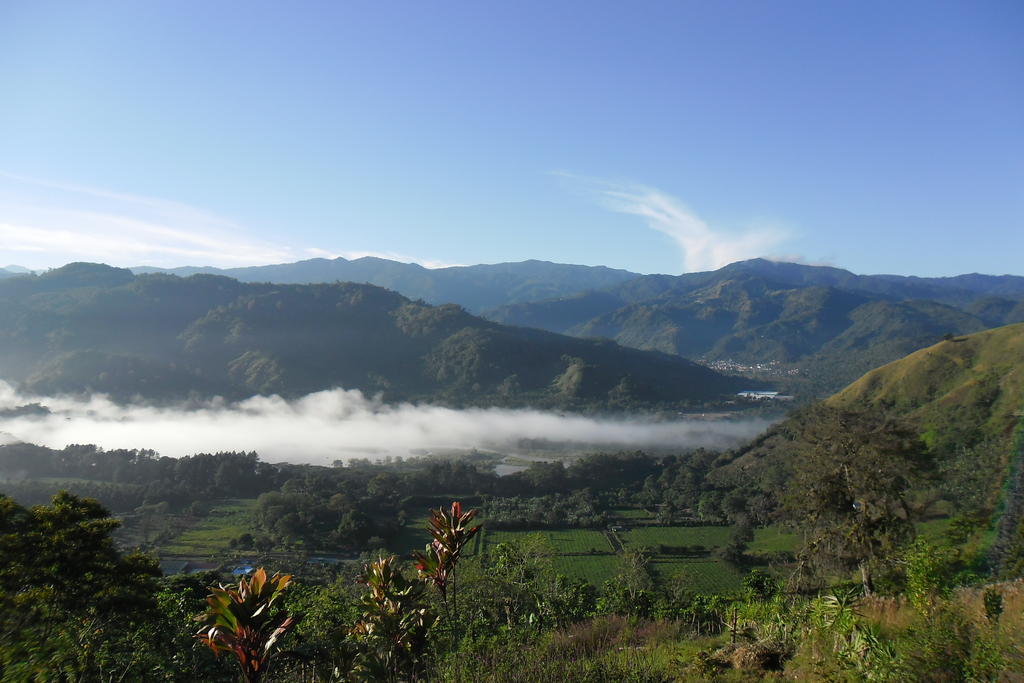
column 511, row 585
column 852, row 474
column 170, row 638
column 242, row 620
column 631, row 592
column 68, row 599
column 735, row 552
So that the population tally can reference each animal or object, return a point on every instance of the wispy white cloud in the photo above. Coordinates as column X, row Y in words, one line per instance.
column 59, row 236
column 174, row 211
column 45, row 223
column 703, row 247
column 48, row 223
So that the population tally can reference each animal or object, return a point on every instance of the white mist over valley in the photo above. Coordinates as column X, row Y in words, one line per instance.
column 342, row 424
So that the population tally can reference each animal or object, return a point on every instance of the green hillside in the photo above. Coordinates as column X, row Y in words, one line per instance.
column 964, row 397
column 972, row 385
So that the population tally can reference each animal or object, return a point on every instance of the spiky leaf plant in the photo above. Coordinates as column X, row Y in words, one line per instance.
column 242, row 621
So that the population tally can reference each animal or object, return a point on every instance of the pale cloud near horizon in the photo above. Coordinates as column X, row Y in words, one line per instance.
column 702, row 246
column 46, row 224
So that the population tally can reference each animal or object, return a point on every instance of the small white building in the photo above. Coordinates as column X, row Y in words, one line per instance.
column 764, row 396
column 759, row 395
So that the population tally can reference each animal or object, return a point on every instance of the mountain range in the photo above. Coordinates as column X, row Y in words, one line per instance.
column 826, row 324
column 812, row 328
column 476, row 288
column 90, row 327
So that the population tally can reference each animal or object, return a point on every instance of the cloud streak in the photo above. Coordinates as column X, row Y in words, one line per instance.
column 45, row 223
column 51, row 223
column 339, row 424
column 703, row 247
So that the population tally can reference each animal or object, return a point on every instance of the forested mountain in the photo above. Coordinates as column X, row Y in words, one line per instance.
column 476, row 288
column 89, row 327
column 828, row 322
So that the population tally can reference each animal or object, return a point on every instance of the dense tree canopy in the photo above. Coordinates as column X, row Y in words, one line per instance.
column 849, row 492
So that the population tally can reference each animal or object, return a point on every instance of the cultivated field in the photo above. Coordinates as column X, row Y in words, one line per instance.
column 773, row 539
column 593, row 568
column 564, row 541
column 589, row 554
column 675, row 536
column 702, row 575
column 213, row 533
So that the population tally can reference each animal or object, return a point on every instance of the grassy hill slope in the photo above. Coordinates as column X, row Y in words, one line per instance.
column 973, row 385
column 964, row 396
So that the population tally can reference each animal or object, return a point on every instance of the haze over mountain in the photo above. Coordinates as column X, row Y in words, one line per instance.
column 476, row 288
column 13, row 270
column 94, row 328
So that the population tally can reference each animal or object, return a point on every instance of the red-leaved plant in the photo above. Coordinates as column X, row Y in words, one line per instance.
column 436, row 564
column 391, row 634
column 241, row 620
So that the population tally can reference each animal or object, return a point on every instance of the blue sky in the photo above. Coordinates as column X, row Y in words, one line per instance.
column 654, row 136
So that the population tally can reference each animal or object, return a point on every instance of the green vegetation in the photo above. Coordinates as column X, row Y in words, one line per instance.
column 773, row 539
column 632, row 515
column 165, row 337
column 699, row 575
column 515, row 618
column 410, row 537
column 213, row 534
column 964, row 389
column 708, row 537
column 876, row 537
column 243, row 622
column 594, row 569
column 565, row 542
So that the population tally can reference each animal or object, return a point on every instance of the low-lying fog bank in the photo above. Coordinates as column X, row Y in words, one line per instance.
column 339, row 424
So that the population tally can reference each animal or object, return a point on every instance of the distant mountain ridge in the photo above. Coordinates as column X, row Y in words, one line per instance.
column 828, row 321
column 826, row 324
column 956, row 290
column 476, row 288
column 94, row 328
column 13, row 270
